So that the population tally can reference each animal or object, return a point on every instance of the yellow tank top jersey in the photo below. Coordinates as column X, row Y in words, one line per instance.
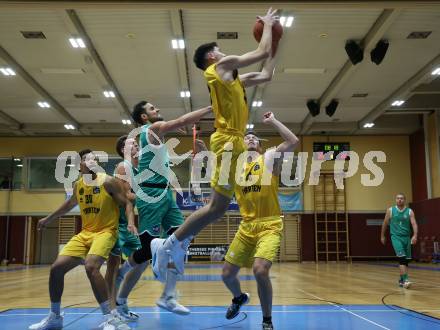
column 258, row 201
column 228, row 99
column 99, row 212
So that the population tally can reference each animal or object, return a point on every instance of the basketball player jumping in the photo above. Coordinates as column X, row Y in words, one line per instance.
column 228, row 97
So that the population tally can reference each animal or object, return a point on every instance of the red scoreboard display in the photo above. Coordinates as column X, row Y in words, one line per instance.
column 340, row 150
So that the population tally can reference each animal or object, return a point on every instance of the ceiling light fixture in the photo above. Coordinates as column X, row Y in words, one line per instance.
column 43, row 105
column 109, row 94
column 397, row 103
column 7, row 72
column 77, row 43
column 178, row 43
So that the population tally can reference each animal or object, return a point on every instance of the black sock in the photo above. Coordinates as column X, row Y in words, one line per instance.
column 239, row 299
column 267, row 319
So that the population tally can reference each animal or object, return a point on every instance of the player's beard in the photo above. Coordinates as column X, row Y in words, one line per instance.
column 155, row 119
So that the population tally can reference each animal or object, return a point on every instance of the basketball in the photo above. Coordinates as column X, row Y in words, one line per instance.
column 277, row 33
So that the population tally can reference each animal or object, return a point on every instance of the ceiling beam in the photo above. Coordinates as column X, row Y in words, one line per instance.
column 403, row 92
column 14, row 125
column 97, row 59
column 181, row 56
column 38, row 88
column 376, row 32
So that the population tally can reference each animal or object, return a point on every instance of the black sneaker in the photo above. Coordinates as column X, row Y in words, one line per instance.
column 267, row 326
column 234, row 308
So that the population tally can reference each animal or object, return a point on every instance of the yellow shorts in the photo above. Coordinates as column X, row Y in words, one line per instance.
column 87, row 242
column 223, row 180
column 260, row 238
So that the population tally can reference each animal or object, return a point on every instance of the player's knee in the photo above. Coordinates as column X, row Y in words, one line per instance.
column 403, row 261
column 227, row 274
column 261, row 271
column 91, row 268
column 57, row 269
column 142, row 255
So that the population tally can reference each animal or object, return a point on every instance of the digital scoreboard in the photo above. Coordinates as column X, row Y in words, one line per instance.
column 320, row 149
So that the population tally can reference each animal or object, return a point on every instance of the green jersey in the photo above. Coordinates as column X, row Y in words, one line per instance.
column 400, row 221
column 154, row 159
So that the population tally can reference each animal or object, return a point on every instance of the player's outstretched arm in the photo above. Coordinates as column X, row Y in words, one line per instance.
column 255, row 78
column 232, row 62
column 162, row 127
column 63, row 209
column 289, row 143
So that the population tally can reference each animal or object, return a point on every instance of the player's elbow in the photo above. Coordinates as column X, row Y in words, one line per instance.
column 292, row 143
column 267, row 77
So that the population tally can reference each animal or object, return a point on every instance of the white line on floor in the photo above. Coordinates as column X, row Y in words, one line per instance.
column 346, row 310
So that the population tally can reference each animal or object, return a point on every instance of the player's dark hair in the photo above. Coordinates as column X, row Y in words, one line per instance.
column 138, row 111
column 84, row 152
column 200, row 54
column 120, row 143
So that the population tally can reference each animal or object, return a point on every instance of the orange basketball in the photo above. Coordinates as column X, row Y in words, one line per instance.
column 277, row 33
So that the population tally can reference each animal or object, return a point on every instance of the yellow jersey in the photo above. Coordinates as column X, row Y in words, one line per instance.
column 99, row 211
column 258, row 201
column 228, row 100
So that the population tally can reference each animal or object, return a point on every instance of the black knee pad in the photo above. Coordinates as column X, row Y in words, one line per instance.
column 403, row 261
column 143, row 254
column 172, row 230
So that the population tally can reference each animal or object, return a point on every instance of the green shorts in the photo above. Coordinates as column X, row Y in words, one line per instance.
column 160, row 217
column 402, row 246
column 126, row 244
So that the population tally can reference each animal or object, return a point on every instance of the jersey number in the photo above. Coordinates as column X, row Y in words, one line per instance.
column 89, row 199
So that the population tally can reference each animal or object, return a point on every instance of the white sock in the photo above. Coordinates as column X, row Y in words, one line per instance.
column 55, row 308
column 121, row 301
column 105, row 307
column 170, row 284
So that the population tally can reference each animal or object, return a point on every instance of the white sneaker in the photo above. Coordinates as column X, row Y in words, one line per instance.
column 50, row 322
column 113, row 322
column 171, row 304
column 177, row 252
column 159, row 259
column 125, row 313
column 407, row 284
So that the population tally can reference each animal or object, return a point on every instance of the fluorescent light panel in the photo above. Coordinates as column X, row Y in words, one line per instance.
column 7, row 72
column 178, row 44
column 43, row 105
column 68, row 126
column 397, row 103
column 286, row 21
column 185, row 94
column 436, row 72
column 368, row 125
column 109, row 94
column 77, row 43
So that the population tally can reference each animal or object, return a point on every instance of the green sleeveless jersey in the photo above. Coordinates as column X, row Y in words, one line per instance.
column 400, row 222
column 154, row 159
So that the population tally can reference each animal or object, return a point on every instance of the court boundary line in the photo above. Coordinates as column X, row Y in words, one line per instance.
column 419, row 313
column 350, row 312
